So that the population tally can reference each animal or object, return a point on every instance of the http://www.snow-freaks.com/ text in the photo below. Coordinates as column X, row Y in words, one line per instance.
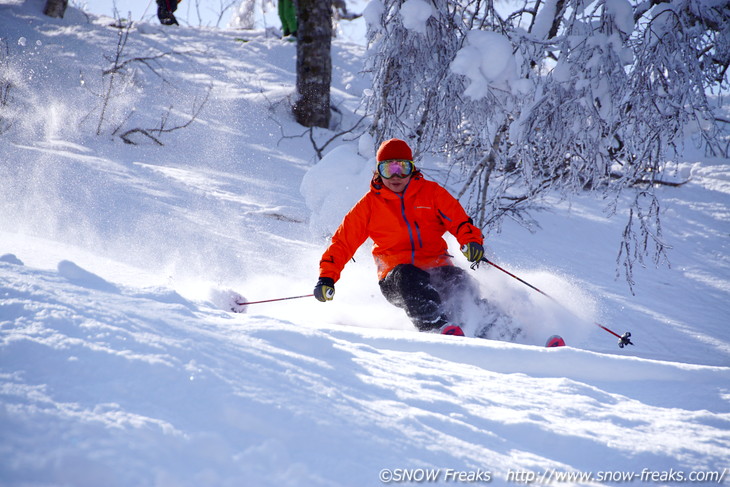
column 548, row 476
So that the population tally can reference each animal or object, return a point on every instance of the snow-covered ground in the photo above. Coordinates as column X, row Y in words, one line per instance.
column 119, row 368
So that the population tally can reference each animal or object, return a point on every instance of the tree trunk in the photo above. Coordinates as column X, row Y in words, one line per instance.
column 314, row 62
column 55, row 8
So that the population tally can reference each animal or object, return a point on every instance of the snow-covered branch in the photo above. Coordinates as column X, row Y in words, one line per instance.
column 561, row 95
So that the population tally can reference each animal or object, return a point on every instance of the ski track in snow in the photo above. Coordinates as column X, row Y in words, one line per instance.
column 118, row 369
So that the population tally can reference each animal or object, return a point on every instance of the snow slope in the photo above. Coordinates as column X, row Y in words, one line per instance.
column 118, row 368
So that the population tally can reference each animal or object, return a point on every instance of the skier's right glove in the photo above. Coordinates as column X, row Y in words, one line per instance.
column 324, row 290
column 473, row 251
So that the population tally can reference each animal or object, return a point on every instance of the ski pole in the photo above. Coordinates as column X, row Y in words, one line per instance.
column 275, row 299
column 623, row 340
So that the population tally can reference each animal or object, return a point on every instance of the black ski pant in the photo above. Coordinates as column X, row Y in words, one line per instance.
column 423, row 293
column 165, row 9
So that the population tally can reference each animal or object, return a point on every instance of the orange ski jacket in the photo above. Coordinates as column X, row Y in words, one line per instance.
column 406, row 228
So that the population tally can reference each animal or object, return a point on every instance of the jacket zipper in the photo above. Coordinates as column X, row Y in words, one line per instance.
column 418, row 234
column 410, row 230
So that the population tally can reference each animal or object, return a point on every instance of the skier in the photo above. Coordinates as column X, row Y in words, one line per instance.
column 165, row 9
column 407, row 216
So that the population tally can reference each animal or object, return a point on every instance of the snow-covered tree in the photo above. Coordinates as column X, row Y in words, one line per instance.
column 559, row 94
column 244, row 14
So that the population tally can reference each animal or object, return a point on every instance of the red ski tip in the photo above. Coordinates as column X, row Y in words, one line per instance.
column 452, row 330
column 555, row 341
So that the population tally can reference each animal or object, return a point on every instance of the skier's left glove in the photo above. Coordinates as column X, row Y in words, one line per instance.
column 324, row 290
column 473, row 251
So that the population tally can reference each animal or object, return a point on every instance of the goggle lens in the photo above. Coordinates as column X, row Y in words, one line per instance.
column 395, row 167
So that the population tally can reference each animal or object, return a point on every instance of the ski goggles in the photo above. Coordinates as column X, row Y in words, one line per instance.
column 395, row 167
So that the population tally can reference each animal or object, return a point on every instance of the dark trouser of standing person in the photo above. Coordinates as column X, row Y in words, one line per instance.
column 165, row 8
column 422, row 294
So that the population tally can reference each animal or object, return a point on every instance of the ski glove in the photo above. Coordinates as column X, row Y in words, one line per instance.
column 324, row 290
column 473, row 252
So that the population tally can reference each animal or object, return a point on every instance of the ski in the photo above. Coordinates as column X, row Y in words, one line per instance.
column 555, row 341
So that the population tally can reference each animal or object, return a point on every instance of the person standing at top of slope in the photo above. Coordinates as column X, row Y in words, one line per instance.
column 406, row 216
column 288, row 16
column 165, row 9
